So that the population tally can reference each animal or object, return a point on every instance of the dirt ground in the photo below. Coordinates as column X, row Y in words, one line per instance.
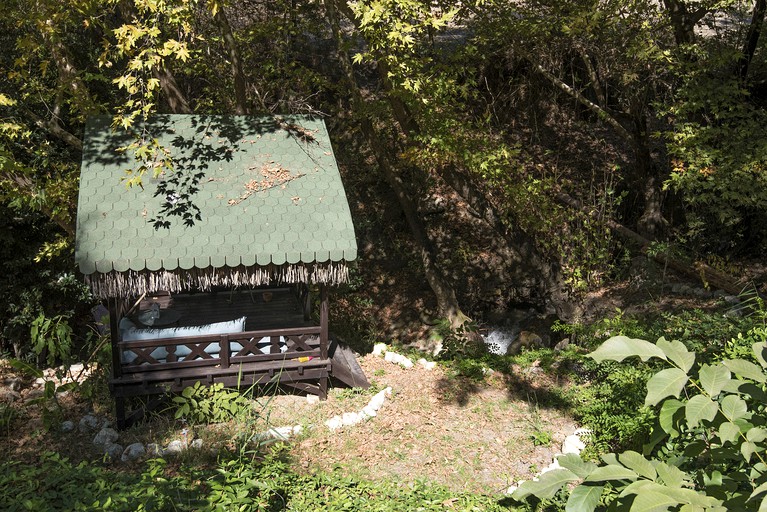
column 465, row 435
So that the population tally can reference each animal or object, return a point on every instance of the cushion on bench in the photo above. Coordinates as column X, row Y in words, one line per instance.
column 129, row 332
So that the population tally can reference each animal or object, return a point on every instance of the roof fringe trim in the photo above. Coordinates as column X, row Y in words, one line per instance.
column 133, row 284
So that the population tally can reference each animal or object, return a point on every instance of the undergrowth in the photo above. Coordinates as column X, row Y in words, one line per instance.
column 243, row 481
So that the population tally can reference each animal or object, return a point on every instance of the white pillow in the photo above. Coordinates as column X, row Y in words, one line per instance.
column 160, row 354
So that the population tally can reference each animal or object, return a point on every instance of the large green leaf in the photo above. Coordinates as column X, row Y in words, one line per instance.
column 577, row 465
column 668, row 412
column 756, row 434
column 714, row 378
column 584, row 498
column 677, row 353
column 672, row 476
column 745, row 369
column 638, row 464
column 669, row 382
column 546, row 485
column 700, row 407
column 611, row 472
column 653, row 501
column 728, row 432
column 734, row 407
column 619, row 348
column 760, row 351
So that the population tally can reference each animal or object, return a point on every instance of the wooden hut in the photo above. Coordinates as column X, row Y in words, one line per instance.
column 206, row 267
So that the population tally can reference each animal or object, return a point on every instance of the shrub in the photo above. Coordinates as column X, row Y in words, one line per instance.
column 710, row 447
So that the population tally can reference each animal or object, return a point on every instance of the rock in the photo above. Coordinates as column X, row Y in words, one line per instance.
column 379, row 349
column 154, row 450
column 89, row 423
column 105, row 437
column 196, row 444
column 13, row 383
column 67, row 426
column 9, row 395
column 132, row 452
column 429, row 365
column 562, row 345
column 350, row 418
column 526, row 339
column 175, row 446
column 334, row 423
column 312, row 399
column 33, row 394
column 113, row 451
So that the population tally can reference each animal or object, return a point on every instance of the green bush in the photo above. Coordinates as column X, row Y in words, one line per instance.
column 200, row 404
column 709, row 450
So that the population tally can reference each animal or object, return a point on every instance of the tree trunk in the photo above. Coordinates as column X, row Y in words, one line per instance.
column 752, row 38
column 444, row 293
column 177, row 102
column 683, row 21
column 235, row 62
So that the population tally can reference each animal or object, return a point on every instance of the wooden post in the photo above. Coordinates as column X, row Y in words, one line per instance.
column 114, row 336
column 223, row 353
column 324, row 313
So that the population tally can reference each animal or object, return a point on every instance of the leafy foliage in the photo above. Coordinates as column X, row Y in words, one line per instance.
column 708, row 449
column 210, row 404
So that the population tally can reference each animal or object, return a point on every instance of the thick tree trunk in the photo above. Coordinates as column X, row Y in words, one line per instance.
column 235, row 61
column 444, row 293
column 176, row 99
column 683, row 21
column 752, row 38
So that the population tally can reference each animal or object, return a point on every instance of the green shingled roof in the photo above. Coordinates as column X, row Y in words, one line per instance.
column 270, row 199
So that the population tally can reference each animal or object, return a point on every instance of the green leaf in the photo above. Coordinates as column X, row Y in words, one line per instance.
column 734, row 407
column 669, row 382
column 756, row 434
column 745, row 369
column 728, row 432
column 638, row 464
column 584, row 498
column 546, row 485
column 677, row 353
column 714, row 378
column 577, row 465
column 619, row 348
column 672, row 476
column 652, row 501
column 700, row 407
column 611, row 472
column 760, row 351
column 759, row 490
column 747, row 449
column 668, row 411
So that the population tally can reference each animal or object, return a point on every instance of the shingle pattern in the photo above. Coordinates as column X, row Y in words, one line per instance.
column 268, row 192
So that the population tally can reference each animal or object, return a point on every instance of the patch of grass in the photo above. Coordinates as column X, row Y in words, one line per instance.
column 245, row 481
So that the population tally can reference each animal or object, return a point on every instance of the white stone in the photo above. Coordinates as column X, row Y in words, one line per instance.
column 106, row 436
column 573, row 444
column 350, row 418
column 67, row 426
column 551, row 467
column 334, row 423
column 113, row 451
column 312, row 399
column 197, row 443
column 379, row 348
column 132, row 452
column 429, row 365
column 175, row 446
column 89, row 423
column 511, row 489
column 369, row 412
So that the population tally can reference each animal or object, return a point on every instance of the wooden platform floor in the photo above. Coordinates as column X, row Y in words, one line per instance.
column 283, row 310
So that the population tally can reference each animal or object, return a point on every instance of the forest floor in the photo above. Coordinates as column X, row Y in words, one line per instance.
column 435, row 426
